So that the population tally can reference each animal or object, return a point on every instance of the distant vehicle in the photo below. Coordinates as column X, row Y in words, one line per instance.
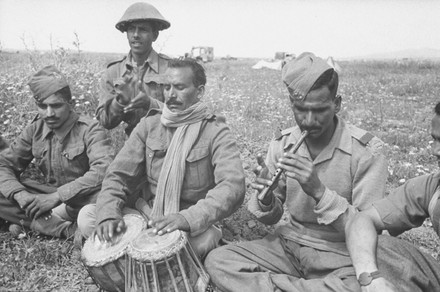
column 205, row 54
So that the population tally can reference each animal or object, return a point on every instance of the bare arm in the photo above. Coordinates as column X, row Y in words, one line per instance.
column 361, row 237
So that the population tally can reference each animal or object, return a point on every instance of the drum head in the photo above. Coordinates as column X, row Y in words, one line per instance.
column 94, row 253
column 149, row 246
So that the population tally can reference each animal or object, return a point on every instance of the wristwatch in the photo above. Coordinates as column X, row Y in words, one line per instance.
column 365, row 278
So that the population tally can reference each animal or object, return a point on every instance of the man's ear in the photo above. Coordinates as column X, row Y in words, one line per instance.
column 338, row 102
column 156, row 35
column 200, row 91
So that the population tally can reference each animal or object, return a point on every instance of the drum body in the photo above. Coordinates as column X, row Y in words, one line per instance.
column 164, row 263
column 107, row 264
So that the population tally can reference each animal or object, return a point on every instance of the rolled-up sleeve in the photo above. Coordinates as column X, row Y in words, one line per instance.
column 369, row 182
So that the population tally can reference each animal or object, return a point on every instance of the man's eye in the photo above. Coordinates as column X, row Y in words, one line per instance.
column 42, row 105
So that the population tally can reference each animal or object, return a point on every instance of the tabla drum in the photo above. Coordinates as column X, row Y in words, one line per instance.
column 164, row 263
column 107, row 264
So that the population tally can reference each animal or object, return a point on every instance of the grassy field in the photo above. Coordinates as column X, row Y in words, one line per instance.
column 393, row 100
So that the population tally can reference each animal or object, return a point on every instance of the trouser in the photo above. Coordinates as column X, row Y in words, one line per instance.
column 202, row 243
column 60, row 222
column 274, row 264
column 406, row 266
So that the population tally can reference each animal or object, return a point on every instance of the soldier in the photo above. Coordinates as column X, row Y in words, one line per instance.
column 72, row 152
column 133, row 85
column 189, row 161
column 339, row 167
column 406, row 267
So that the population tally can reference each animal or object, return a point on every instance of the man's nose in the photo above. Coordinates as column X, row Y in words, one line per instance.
column 308, row 118
column 136, row 32
column 50, row 112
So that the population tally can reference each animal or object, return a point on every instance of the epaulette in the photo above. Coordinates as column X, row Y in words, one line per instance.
column 364, row 137
column 280, row 133
column 116, row 62
column 163, row 56
column 85, row 119
column 153, row 111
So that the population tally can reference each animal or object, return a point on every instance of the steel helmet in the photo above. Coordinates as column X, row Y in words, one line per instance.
column 142, row 11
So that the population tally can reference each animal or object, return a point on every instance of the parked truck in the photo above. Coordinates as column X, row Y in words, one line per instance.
column 205, row 54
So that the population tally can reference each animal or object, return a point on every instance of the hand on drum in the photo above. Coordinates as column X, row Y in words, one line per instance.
column 169, row 223
column 303, row 170
column 109, row 230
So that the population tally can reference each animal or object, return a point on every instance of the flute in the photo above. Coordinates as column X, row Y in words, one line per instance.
column 277, row 175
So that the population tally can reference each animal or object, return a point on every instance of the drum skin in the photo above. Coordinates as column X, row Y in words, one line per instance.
column 106, row 264
column 164, row 263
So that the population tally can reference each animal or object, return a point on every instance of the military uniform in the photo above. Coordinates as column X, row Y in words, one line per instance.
column 307, row 253
column 72, row 159
column 127, row 77
column 213, row 185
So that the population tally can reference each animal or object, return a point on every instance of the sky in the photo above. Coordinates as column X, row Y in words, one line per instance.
column 239, row 28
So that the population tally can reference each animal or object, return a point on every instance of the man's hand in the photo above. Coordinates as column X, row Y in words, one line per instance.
column 41, row 204
column 169, row 223
column 380, row 285
column 24, row 198
column 123, row 90
column 303, row 170
column 142, row 101
column 263, row 179
column 109, row 230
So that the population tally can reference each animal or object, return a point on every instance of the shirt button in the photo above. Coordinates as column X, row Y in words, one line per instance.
column 150, row 155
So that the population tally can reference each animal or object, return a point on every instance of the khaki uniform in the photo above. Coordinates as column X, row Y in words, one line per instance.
column 149, row 77
column 213, row 186
column 73, row 161
column 307, row 253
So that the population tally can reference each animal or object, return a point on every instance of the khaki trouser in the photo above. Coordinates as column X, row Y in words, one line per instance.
column 59, row 224
column 274, row 264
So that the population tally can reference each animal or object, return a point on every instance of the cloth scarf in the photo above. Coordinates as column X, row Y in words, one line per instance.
column 188, row 123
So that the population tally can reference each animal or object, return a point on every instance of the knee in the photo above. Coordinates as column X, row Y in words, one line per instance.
column 217, row 258
column 87, row 220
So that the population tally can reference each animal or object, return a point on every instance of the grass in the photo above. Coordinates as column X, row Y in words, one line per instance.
column 393, row 100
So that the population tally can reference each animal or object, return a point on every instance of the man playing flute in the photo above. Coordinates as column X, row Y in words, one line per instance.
column 339, row 167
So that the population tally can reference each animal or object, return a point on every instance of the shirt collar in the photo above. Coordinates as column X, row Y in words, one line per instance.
column 152, row 61
column 341, row 139
column 65, row 128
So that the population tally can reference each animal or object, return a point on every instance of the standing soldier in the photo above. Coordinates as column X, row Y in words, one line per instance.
column 131, row 86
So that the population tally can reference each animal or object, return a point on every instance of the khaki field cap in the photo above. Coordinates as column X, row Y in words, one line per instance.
column 142, row 11
column 46, row 82
column 300, row 74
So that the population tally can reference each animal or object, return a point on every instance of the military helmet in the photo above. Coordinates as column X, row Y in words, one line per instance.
column 142, row 11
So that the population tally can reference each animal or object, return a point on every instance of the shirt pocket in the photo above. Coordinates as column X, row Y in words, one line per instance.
column 153, row 85
column 199, row 170
column 39, row 151
column 155, row 152
column 76, row 161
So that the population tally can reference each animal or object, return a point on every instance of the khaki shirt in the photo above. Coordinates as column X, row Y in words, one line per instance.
column 214, row 181
column 73, row 159
column 109, row 111
column 354, row 172
column 409, row 205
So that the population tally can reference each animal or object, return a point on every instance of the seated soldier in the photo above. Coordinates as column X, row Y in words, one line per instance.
column 406, row 207
column 190, row 161
column 339, row 167
column 72, row 152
